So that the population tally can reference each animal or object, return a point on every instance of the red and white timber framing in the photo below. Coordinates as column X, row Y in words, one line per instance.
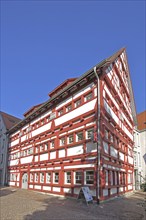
column 54, row 149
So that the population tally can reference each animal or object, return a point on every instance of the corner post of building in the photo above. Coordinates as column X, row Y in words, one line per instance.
column 98, row 137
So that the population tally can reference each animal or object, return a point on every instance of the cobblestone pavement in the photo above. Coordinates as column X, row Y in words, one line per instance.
column 20, row 204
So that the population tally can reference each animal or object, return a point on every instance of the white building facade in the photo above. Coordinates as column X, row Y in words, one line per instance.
column 140, row 151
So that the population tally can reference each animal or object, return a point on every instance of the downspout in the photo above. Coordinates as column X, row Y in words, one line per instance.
column 98, row 136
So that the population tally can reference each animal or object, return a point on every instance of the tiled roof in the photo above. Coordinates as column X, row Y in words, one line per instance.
column 48, row 103
column 32, row 109
column 141, row 119
column 9, row 120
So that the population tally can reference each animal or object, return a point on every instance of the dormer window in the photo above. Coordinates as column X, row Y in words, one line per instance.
column 68, row 108
column 88, row 97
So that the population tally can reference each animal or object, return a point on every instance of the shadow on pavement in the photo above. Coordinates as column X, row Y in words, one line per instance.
column 4, row 191
column 59, row 208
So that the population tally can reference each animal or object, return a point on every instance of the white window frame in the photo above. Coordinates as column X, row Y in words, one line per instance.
column 48, row 177
column 54, row 178
column 88, row 96
column 78, row 136
column 62, row 141
column 75, row 180
column 66, row 177
column 90, row 134
column 78, row 103
column 70, row 137
column 85, row 177
column 42, row 177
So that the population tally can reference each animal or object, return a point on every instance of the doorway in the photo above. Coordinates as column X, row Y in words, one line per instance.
column 25, row 181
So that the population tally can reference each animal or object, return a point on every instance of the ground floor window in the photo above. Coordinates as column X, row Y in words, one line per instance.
column 36, row 177
column 31, row 177
column 89, row 177
column 42, row 177
column 48, row 177
column 56, row 177
column 78, row 177
column 68, row 177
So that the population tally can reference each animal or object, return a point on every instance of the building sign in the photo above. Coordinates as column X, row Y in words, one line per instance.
column 85, row 194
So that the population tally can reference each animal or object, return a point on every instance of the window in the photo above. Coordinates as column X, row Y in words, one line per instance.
column 60, row 112
column 36, row 149
column 46, row 146
column 111, row 138
column 42, row 177
column 36, row 177
column 68, row 177
column 56, row 177
column 70, row 139
column 68, row 108
column 30, row 151
column 88, row 97
column 106, row 177
column 116, row 180
column 111, row 177
column 43, row 122
column 25, row 153
column 31, row 177
column 90, row 134
column 41, row 148
column 52, row 144
column 78, row 103
column 89, row 177
column 79, row 136
column 48, row 177
column 78, row 177
column 106, row 134
column 62, row 141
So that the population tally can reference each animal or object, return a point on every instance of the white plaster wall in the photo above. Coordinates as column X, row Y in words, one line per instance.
column 79, row 166
column 67, row 190
column 37, row 187
column 121, row 189
column 13, row 162
column 53, row 155
column 105, row 192
column 121, row 156
column 36, row 158
column 61, row 153
column 79, row 111
column 41, row 129
column 56, row 189
column 75, row 150
column 31, row 186
column 130, row 160
column 130, row 187
column 12, row 183
column 48, row 188
column 26, row 159
column 113, row 191
column 13, row 143
column 43, row 157
column 110, row 111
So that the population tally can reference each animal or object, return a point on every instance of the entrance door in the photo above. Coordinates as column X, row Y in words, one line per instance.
column 25, row 181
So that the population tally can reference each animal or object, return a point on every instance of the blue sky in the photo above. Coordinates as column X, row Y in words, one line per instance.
column 45, row 42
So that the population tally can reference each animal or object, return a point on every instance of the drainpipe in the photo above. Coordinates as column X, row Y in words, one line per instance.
column 98, row 136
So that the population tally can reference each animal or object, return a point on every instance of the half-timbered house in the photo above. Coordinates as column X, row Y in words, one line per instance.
column 81, row 136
